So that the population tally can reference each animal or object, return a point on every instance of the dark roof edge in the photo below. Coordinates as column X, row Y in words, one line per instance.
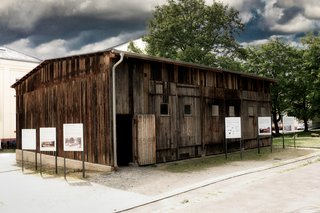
column 147, row 57
column 183, row 63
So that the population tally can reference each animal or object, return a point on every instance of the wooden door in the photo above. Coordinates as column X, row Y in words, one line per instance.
column 144, row 136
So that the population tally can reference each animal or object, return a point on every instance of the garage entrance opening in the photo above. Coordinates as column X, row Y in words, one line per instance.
column 124, row 139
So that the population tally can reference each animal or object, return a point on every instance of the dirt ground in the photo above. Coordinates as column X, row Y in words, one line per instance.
column 160, row 178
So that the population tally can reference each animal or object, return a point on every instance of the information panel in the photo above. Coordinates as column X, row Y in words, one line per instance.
column 73, row 137
column 264, row 125
column 288, row 124
column 29, row 139
column 233, row 127
column 48, row 139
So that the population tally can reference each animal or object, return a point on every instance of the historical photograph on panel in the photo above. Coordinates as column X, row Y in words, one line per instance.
column 233, row 127
column 29, row 141
column 48, row 139
column 264, row 125
column 288, row 124
column 73, row 137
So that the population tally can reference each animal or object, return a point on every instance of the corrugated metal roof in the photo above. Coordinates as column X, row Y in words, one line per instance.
column 9, row 54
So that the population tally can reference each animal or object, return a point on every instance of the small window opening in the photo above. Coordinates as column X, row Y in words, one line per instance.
column 250, row 111
column 231, row 111
column 164, row 109
column 187, row 109
column 215, row 110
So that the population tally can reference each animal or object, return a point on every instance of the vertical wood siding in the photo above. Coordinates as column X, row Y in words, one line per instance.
column 78, row 89
column 71, row 90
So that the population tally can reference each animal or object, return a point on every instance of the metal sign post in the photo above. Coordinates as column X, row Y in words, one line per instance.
column 35, row 160
column 83, row 166
column 226, row 148
column 240, row 149
column 232, row 130
column 22, row 159
column 64, row 167
column 258, row 144
column 271, row 143
column 40, row 164
column 56, row 162
column 264, row 128
column 29, row 142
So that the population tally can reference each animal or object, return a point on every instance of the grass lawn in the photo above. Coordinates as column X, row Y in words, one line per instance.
column 7, row 151
column 198, row 164
column 302, row 139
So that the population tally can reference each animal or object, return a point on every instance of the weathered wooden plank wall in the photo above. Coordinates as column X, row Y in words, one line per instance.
column 70, row 90
column 78, row 89
column 179, row 135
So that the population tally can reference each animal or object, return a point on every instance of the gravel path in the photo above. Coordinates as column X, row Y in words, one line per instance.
column 154, row 180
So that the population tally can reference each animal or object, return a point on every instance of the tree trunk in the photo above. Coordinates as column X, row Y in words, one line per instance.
column 275, row 123
column 306, row 127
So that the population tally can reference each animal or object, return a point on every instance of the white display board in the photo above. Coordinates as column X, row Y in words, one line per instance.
column 48, row 139
column 264, row 126
column 233, row 127
column 73, row 137
column 288, row 124
column 29, row 139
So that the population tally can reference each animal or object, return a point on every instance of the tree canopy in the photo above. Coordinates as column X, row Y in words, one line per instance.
column 192, row 31
column 277, row 60
column 296, row 70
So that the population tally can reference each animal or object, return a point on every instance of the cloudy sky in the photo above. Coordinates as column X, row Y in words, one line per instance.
column 56, row 28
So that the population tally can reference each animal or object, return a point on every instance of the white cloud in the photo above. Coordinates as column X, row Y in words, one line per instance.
column 58, row 47
column 312, row 11
column 298, row 24
column 310, row 8
column 244, row 7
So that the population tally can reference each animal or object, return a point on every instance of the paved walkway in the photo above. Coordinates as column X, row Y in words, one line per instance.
column 29, row 192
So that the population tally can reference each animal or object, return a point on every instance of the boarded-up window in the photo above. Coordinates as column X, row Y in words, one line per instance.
column 266, row 87
column 187, row 109
column 231, row 111
column 263, row 111
column 156, row 74
column 215, row 110
column 219, row 80
column 170, row 71
column 184, row 75
column 250, row 111
column 164, row 109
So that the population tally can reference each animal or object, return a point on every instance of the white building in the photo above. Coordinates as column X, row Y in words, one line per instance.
column 13, row 66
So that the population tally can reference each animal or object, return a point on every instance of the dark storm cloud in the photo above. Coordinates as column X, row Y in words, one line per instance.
column 55, row 28
column 82, row 30
column 281, row 18
column 45, row 20
column 289, row 14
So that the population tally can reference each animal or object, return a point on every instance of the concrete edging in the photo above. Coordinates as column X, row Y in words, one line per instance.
column 49, row 160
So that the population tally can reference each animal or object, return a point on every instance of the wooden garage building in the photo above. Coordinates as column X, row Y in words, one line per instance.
column 166, row 110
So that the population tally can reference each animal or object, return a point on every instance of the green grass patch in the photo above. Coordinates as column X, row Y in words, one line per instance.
column 300, row 139
column 7, row 151
column 197, row 164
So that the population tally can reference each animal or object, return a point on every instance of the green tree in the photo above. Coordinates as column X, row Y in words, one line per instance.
column 278, row 60
column 305, row 105
column 192, row 31
column 133, row 48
